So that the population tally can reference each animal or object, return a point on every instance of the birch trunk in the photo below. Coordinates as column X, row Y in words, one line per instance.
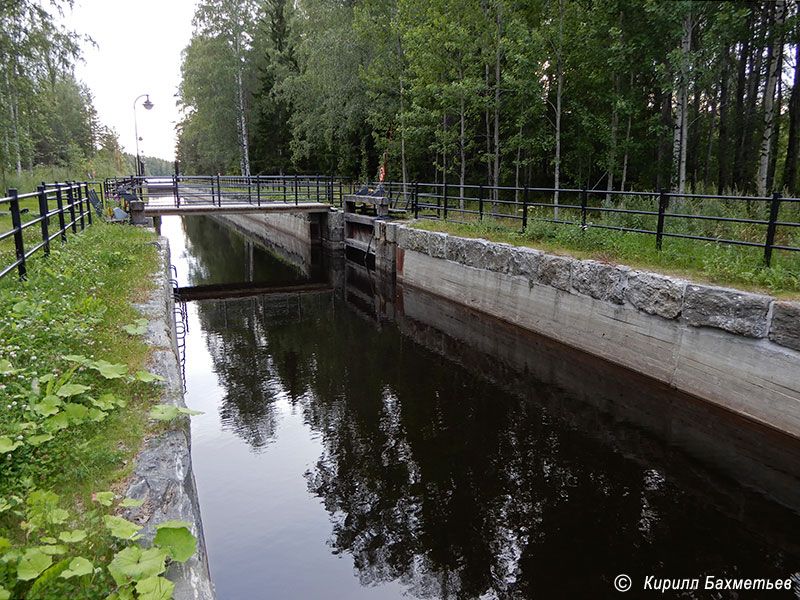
column 403, row 143
column 497, row 90
column 243, row 145
column 559, row 90
column 709, row 148
column 775, row 58
column 13, row 116
column 462, row 136
column 627, row 147
column 681, row 138
column 722, row 151
column 612, row 150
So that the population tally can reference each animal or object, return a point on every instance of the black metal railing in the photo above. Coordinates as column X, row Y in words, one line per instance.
column 224, row 189
column 58, row 209
column 771, row 223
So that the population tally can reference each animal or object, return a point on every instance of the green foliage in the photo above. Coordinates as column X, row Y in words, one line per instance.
column 132, row 571
column 167, row 412
column 138, row 327
column 175, row 538
column 70, row 418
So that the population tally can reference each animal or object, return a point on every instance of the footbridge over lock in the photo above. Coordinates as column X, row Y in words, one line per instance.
column 208, row 195
column 315, row 210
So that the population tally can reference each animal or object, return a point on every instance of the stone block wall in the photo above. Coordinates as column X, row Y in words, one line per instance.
column 737, row 349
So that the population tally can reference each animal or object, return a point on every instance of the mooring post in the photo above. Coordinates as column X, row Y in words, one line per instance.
column 16, row 223
column 137, row 212
column 771, row 227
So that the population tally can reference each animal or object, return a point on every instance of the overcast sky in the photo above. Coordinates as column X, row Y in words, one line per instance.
column 139, row 52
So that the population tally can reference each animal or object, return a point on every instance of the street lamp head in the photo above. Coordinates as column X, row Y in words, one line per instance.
column 147, row 104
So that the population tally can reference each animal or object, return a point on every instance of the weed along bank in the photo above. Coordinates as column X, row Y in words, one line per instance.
column 95, row 475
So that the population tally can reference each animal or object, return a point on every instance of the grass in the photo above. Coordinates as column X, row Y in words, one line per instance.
column 708, row 262
column 54, row 328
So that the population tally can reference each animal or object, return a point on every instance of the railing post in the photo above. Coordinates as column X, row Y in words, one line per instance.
column 444, row 200
column 584, row 200
column 80, row 205
column 296, row 189
column 524, row 209
column 771, row 227
column 175, row 189
column 480, row 203
column 16, row 223
column 249, row 190
column 89, row 206
column 60, row 204
column 416, row 200
column 219, row 191
column 662, row 208
column 71, row 203
column 43, row 210
column 258, row 190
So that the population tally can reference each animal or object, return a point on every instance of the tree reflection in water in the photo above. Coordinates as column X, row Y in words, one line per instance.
column 437, row 478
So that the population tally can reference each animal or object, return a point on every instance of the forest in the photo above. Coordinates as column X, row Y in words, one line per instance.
column 611, row 94
column 49, row 128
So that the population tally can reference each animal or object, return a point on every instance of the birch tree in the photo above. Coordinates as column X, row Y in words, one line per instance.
column 774, row 63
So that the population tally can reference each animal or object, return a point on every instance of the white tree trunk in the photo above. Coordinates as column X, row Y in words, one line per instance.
column 612, row 150
column 244, row 156
column 403, row 143
column 773, row 72
column 13, row 113
column 497, row 90
column 681, row 133
column 462, row 138
column 559, row 90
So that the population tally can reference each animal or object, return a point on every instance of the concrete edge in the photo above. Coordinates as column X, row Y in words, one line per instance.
column 163, row 478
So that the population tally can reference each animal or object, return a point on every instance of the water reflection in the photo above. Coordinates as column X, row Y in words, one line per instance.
column 437, row 478
column 217, row 254
column 462, row 459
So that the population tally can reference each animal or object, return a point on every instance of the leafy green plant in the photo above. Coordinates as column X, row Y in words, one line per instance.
column 38, row 565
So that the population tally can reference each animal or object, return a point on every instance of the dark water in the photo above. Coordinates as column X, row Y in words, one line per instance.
column 378, row 443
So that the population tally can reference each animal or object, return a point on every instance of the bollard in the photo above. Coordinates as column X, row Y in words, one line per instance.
column 137, row 212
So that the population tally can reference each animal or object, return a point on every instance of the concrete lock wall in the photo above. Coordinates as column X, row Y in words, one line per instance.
column 163, row 478
column 735, row 349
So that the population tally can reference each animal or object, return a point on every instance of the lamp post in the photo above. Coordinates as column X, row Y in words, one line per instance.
column 148, row 105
